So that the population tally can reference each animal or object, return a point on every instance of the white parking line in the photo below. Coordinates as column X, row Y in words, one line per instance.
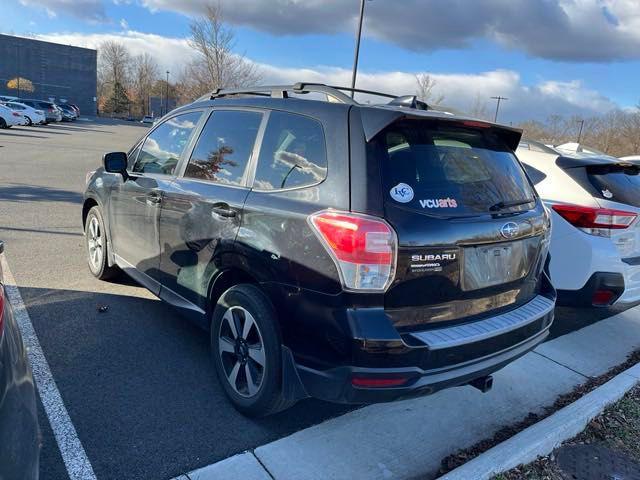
column 73, row 454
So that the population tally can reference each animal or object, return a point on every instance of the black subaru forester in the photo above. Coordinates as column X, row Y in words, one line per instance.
column 351, row 252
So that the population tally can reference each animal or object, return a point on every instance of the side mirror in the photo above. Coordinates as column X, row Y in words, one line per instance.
column 116, row 162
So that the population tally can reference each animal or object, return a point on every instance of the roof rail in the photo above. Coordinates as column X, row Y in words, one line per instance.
column 335, row 92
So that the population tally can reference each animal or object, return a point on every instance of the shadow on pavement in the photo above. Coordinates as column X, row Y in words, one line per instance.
column 36, row 193
column 139, row 388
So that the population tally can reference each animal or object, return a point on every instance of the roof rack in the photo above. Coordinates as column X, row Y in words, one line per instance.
column 334, row 92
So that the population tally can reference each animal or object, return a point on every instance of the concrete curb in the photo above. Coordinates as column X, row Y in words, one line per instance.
column 543, row 437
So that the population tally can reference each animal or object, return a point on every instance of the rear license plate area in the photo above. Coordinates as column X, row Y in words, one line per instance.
column 489, row 265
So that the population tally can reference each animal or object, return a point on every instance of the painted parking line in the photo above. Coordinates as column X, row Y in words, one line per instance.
column 71, row 449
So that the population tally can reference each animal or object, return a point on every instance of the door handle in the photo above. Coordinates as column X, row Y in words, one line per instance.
column 223, row 211
column 154, row 198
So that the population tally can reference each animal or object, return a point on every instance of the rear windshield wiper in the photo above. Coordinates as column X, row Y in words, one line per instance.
column 514, row 203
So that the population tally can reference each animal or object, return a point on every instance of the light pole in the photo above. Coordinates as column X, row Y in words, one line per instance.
column 499, row 99
column 357, row 53
column 166, row 100
column 18, row 65
column 580, row 132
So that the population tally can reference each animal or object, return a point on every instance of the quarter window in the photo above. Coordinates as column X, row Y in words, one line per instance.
column 293, row 153
column 163, row 147
column 224, row 147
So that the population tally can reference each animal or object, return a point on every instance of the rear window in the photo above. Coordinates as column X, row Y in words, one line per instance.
column 616, row 182
column 442, row 169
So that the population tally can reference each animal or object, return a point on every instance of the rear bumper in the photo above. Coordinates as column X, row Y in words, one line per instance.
column 599, row 281
column 435, row 359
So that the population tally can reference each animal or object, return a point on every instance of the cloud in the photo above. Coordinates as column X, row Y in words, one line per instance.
column 462, row 92
column 569, row 30
column 89, row 10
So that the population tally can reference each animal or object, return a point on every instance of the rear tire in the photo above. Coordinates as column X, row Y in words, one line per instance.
column 3, row 124
column 29, row 122
column 97, row 246
column 246, row 351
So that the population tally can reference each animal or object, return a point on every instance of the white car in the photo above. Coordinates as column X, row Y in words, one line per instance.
column 10, row 118
column 32, row 116
column 147, row 119
column 595, row 242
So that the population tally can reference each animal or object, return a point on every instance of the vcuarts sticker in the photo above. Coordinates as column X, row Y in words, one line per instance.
column 402, row 193
column 439, row 203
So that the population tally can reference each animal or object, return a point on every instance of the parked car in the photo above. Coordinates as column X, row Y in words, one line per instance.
column 52, row 114
column 68, row 112
column 19, row 431
column 10, row 118
column 5, row 98
column 76, row 108
column 147, row 119
column 31, row 115
column 348, row 252
column 595, row 245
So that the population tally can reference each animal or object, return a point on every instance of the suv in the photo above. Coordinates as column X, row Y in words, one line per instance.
column 353, row 253
column 50, row 110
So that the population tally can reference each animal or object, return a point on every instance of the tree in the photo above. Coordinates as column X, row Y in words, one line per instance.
column 20, row 83
column 144, row 72
column 479, row 108
column 216, row 65
column 425, row 91
column 114, row 63
column 118, row 101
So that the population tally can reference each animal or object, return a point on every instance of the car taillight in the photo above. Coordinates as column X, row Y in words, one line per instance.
column 595, row 221
column 364, row 248
column 15, row 114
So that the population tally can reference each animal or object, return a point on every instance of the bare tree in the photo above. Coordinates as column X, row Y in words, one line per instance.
column 144, row 72
column 113, row 75
column 479, row 108
column 425, row 91
column 216, row 64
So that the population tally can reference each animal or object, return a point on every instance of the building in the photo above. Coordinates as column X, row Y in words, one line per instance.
column 49, row 71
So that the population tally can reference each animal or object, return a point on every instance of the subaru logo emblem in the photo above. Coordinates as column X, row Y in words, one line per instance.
column 509, row 230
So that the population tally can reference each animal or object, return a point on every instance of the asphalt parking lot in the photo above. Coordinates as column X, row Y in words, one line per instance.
column 135, row 378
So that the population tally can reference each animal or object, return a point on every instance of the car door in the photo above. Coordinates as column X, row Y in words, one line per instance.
column 202, row 208
column 134, row 209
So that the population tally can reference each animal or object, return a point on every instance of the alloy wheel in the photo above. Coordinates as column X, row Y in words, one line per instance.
column 241, row 351
column 95, row 243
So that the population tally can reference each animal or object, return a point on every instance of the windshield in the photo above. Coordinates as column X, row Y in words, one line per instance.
column 443, row 169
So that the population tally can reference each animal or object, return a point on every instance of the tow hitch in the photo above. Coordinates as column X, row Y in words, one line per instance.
column 484, row 384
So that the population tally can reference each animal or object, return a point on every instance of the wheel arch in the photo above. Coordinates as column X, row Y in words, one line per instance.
column 224, row 280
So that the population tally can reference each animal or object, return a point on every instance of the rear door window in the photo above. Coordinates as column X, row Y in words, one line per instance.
column 442, row 169
column 225, row 147
column 617, row 183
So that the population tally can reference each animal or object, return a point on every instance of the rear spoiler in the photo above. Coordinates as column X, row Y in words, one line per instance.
column 374, row 120
column 571, row 161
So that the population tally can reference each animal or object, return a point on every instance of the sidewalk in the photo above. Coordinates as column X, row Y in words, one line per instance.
column 409, row 439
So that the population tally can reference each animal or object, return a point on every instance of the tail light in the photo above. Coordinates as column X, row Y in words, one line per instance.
column 15, row 114
column 364, row 248
column 595, row 221
column 377, row 382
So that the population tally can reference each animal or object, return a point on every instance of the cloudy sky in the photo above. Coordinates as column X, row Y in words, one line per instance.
column 547, row 56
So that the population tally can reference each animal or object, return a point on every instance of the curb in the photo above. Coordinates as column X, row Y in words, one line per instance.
column 545, row 436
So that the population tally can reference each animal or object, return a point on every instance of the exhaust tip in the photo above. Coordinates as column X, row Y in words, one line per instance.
column 484, row 384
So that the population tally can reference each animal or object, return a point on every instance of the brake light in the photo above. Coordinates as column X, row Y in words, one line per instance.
column 595, row 218
column 15, row 114
column 603, row 297
column 364, row 248
column 475, row 123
